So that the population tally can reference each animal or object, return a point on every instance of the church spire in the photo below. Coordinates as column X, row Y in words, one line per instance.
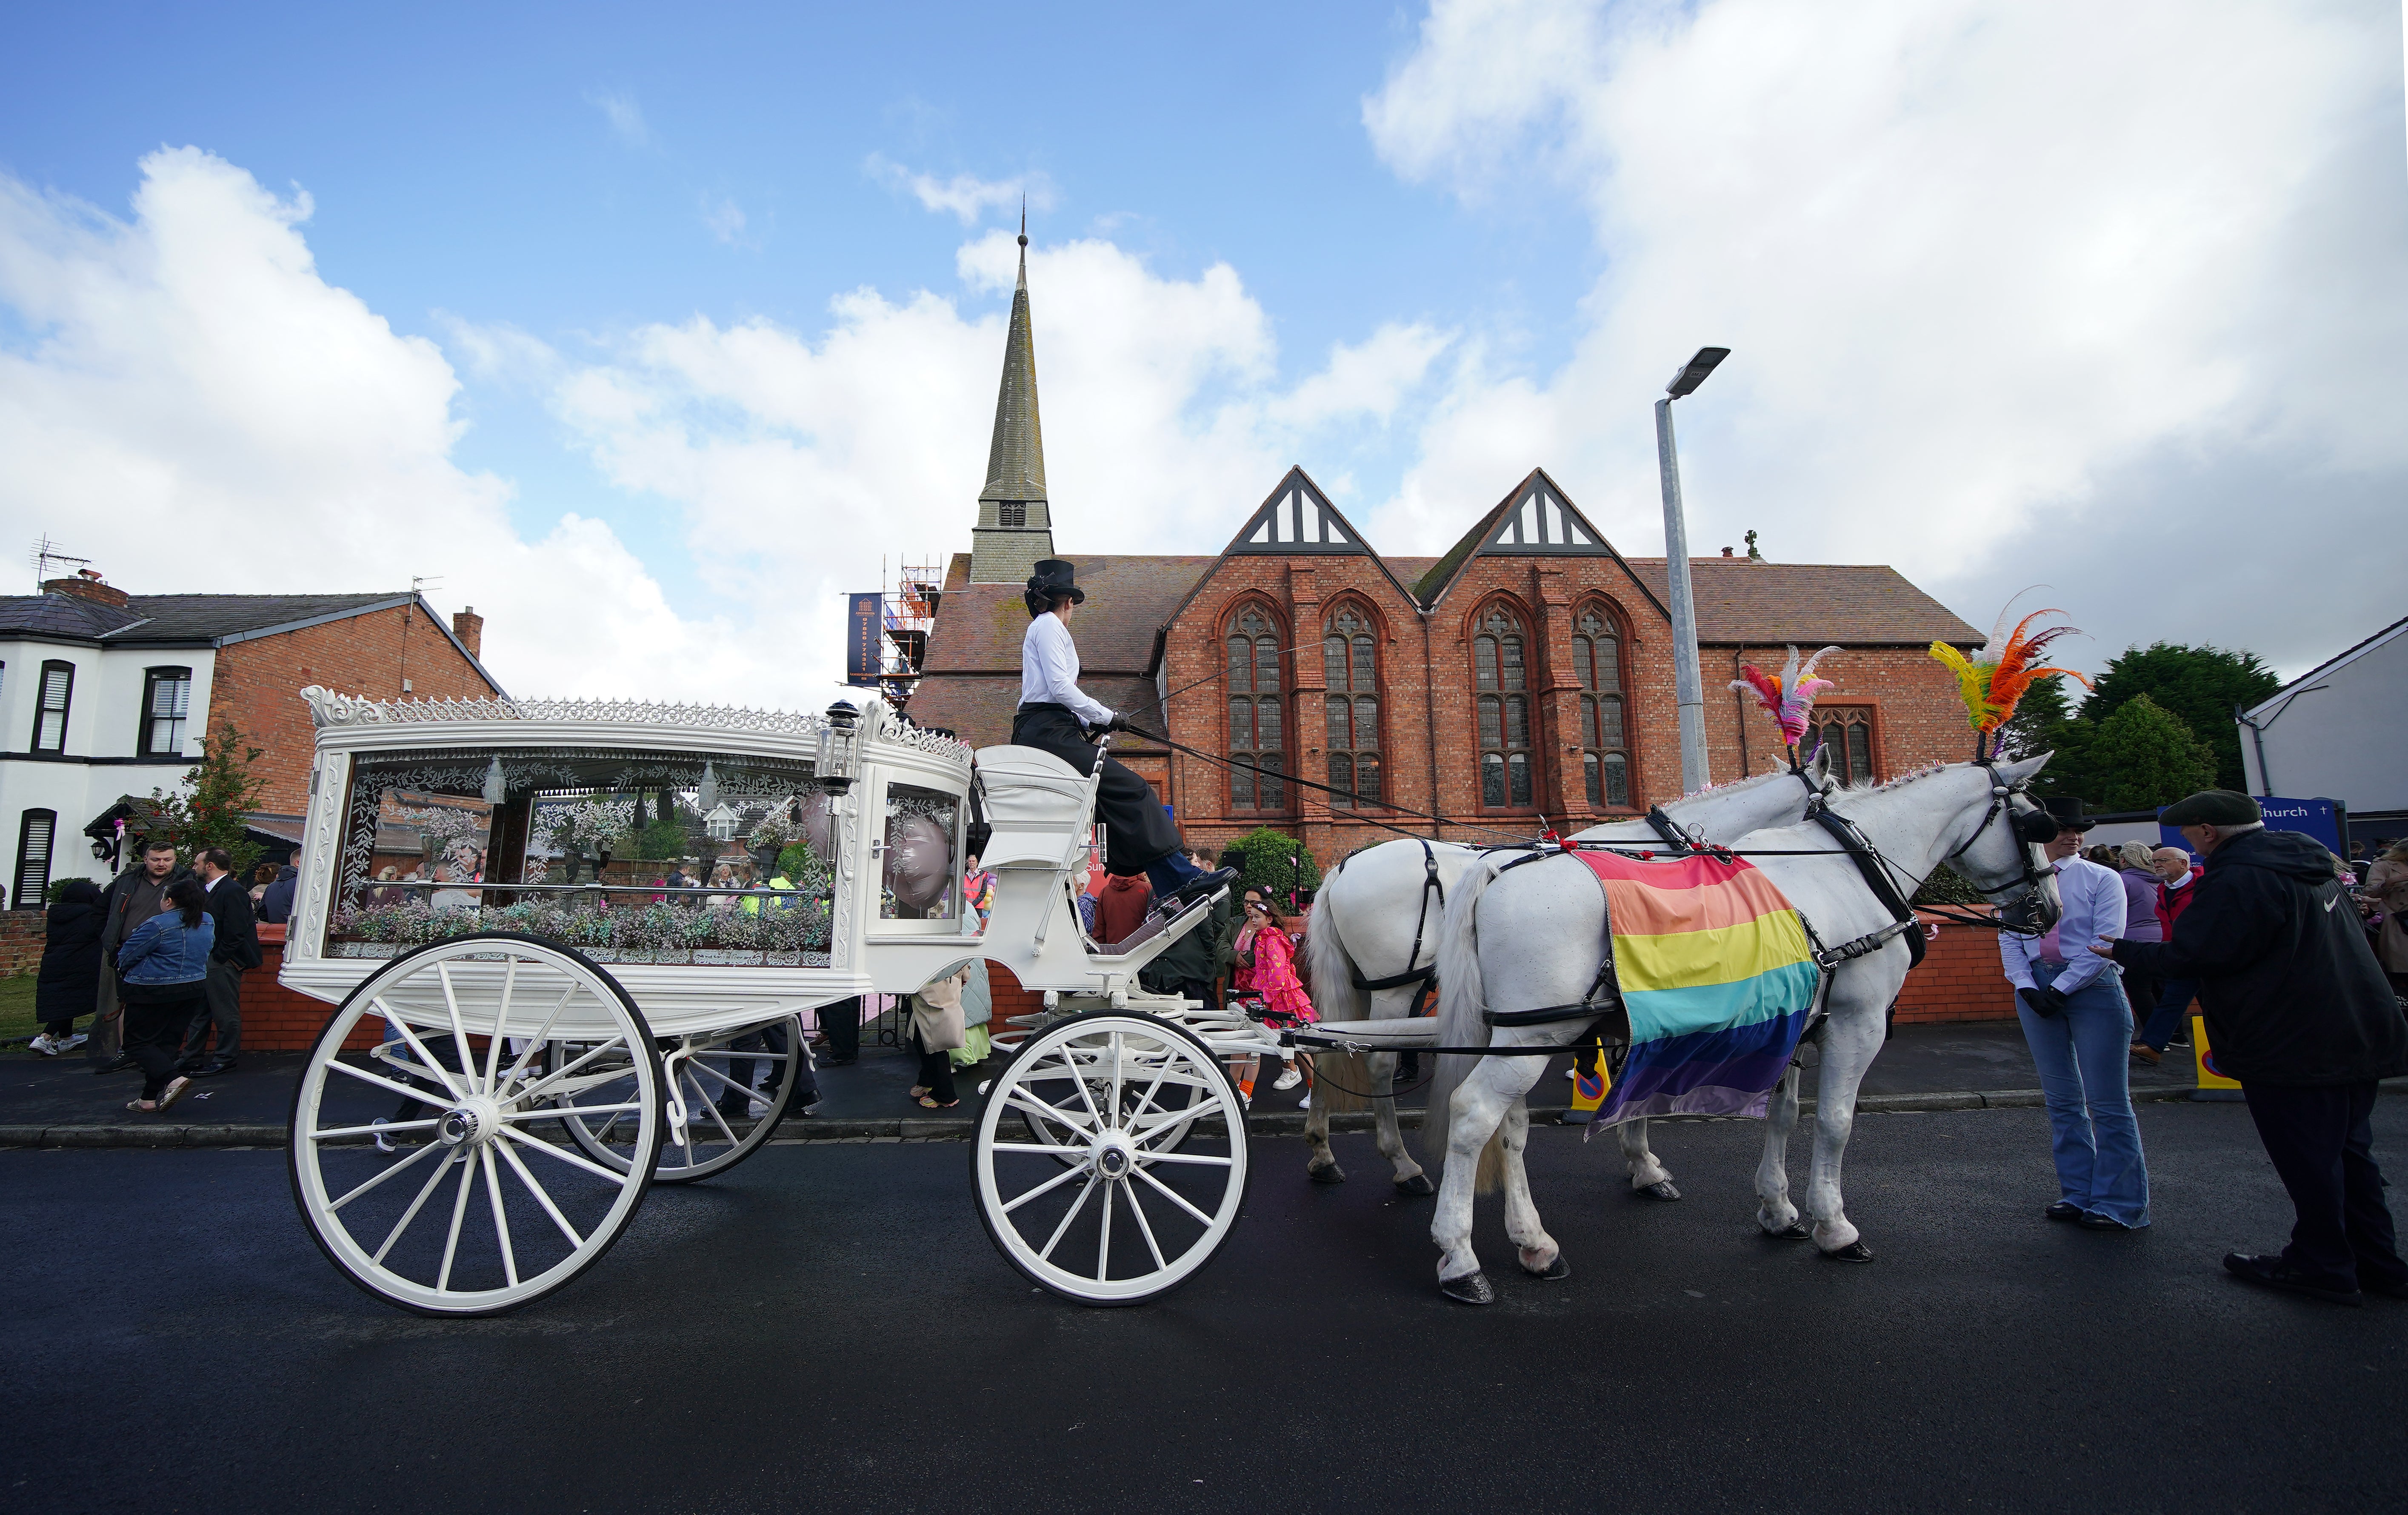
column 1015, row 525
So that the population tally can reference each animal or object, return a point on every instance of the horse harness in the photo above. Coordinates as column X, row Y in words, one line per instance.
column 1424, row 978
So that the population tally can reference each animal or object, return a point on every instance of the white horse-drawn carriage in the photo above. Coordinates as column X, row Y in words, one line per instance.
column 532, row 1029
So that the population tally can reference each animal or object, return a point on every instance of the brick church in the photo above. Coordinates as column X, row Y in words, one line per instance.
column 1525, row 678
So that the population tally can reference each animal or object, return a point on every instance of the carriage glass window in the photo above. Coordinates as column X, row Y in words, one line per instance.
column 1257, row 753
column 1597, row 667
column 1351, row 709
column 167, row 696
column 50, row 712
column 1503, row 709
column 1846, row 733
column 631, row 856
column 917, row 879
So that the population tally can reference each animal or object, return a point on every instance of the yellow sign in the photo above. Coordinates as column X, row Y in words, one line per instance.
column 1589, row 1083
column 2204, row 1057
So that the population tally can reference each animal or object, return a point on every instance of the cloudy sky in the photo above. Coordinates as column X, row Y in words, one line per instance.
column 650, row 335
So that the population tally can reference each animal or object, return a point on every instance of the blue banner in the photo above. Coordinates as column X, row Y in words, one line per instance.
column 2316, row 818
column 864, row 638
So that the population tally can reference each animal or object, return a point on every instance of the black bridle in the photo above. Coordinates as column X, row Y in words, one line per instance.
column 1432, row 884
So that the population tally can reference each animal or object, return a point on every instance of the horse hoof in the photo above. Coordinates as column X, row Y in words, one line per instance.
column 1794, row 1230
column 1417, row 1187
column 1855, row 1252
column 1327, row 1173
column 1661, row 1189
column 1470, row 1289
column 1556, row 1269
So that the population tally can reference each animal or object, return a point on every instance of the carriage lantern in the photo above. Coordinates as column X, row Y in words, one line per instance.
column 834, row 767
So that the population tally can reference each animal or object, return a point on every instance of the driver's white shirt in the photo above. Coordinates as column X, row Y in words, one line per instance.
column 1049, row 670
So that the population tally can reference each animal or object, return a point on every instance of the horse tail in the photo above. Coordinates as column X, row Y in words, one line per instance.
column 1461, row 998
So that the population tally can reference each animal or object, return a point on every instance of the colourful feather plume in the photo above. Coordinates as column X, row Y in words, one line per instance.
column 1788, row 697
column 1993, row 681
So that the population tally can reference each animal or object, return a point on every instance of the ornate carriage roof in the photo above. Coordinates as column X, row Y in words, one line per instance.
column 329, row 709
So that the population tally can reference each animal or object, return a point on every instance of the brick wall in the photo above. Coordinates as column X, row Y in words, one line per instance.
column 257, row 685
column 21, row 941
column 1429, row 734
column 1958, row 979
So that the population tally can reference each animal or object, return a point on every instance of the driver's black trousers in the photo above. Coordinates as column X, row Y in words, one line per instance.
column 1137, row 828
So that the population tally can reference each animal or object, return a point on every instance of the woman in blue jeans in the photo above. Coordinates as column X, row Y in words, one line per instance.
column 161, row 969
column 2080, row 1031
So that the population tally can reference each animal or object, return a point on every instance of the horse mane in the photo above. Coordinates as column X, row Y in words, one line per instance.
column 1903, row 779
column 1749, row 783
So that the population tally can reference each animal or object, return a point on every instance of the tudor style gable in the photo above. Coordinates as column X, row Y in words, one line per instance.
column 1297, row 519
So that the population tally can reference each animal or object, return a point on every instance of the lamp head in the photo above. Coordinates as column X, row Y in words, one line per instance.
column 1694, row 372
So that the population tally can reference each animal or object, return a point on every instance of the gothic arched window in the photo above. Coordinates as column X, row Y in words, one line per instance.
column 1012, row 513
column 1605, row 742
column 1254, row 738
column 1350, row 666
column 1501, row 680
column 1847, row 732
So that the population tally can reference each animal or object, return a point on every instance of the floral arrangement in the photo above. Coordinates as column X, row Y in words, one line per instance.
column 652, row 930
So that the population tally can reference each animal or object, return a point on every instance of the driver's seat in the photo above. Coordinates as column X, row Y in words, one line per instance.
column 1036, row 805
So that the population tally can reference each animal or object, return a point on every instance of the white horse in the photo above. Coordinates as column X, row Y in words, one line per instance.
column 1536, row 935
column 1377, row 919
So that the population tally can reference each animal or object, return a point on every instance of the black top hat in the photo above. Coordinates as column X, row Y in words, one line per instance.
column 2067, row 809
column 1053, row 576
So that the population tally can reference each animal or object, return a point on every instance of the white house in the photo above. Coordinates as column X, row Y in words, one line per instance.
column 2338, row 731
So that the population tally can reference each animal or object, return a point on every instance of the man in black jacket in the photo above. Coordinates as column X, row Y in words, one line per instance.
column 2298, row 1010
column 237, row 948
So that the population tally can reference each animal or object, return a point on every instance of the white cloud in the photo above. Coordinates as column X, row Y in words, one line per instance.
column 625, row 117
column 239, row 424
column 725, row 219
column 1980, row 278
column 964, row 196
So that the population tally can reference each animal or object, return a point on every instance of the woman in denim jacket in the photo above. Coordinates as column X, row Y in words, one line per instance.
column 162, row 967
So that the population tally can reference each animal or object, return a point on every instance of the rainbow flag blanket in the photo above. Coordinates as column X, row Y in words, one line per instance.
column 1714, row 969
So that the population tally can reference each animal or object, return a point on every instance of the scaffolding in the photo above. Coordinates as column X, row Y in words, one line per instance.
column 910, row 611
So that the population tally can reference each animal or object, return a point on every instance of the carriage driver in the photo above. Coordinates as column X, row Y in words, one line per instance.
column 1056, row 717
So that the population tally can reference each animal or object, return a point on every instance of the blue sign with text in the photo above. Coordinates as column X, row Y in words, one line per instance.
column 2318, row 818
column 864, row 638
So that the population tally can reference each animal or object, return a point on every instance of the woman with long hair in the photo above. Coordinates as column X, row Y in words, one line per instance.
column 162, row 969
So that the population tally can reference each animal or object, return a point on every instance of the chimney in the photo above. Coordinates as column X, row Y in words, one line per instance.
column 470, row 627
column 88, row 585
column 1727, row 551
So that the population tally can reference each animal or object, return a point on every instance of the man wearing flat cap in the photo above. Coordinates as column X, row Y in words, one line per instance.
column 2300, row 1012
column 1056, row 716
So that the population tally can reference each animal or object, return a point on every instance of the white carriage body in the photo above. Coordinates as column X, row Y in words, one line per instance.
column 866, row 764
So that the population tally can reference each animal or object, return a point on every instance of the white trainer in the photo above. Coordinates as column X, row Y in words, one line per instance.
column 45, row 1044
column 1289, row 1078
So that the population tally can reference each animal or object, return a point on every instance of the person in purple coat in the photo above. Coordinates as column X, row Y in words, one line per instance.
column 2136, row 867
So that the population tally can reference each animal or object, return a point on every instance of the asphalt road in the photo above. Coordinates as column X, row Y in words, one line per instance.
column 828, row 1329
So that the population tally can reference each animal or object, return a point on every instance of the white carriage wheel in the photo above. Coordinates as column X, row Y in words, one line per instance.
column 1130, row 1216
column 709, row 1075
column 477, row 1136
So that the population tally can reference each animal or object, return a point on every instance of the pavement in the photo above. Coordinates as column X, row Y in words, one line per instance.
column 57, row 1102
column 827, row 1327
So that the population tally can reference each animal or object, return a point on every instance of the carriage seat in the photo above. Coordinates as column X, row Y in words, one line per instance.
column 1035, row 802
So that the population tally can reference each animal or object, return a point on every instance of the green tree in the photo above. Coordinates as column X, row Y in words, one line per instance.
column 212, row 806
column 1269, row 865
column 2142, row 756
column 2198, row 685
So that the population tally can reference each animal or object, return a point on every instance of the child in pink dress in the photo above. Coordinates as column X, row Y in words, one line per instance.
column 1267, row 970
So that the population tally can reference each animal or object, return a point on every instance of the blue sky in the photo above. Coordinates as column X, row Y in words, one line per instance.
column 694, row 318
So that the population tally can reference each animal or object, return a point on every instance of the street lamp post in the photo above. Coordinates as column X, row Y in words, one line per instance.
column 1688, row 686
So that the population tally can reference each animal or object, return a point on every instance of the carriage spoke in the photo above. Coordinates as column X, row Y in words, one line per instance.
column 535, row 1043
column 559, row 1112
column 1118, row 1054
column 1104, row 1234
column 1076, row 1205
column 1192, row 1158
column 534, row 1090
column 501, row 1018
column 741, row 1089
column 542, row 1197
column 434, row 1068
column 337, row 1205
column 421, row 1096
column 501, row 1221
column 1144, row 1229
column 459, row 1028
column 1049, row 1185
column 570, row 1158
column 716, row 1119
column 1021, row 1099
column 459, row 1212
column 451, row 1156
column 1172, row 1194
column 383, row 1127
